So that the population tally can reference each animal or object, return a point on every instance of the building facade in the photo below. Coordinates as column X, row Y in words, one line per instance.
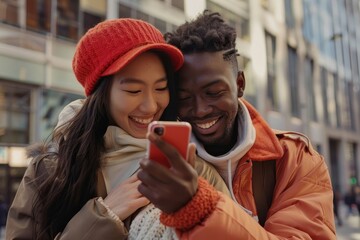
column 300, row 58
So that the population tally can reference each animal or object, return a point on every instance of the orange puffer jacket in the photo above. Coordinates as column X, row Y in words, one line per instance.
column 301, row 206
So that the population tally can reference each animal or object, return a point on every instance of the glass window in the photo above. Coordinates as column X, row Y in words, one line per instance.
column 336, row 88
column 272, row 88
column 9, row 11
column 67, row 19
column 142, row 16
column 331, row 100
column 38, row 15
column 14, row 114
column 124, row 11
column 90, row 20
column 307, row 20
column 348, row 111
column 160, row 24
column 239, row 22
column 324, row 94
column 52, row 104
column 178, row 4
column 289, row 14
column 250, row 89
column 91, row 13
column 293, row 81
column 309, row 80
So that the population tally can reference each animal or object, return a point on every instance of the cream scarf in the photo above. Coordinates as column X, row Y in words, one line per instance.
column 122, row 156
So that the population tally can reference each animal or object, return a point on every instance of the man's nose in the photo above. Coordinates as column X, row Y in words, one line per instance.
column 201, row 108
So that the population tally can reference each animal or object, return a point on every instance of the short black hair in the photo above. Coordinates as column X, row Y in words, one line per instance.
column 207, row 33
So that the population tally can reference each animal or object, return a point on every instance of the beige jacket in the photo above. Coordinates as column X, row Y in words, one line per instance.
column 93, row 221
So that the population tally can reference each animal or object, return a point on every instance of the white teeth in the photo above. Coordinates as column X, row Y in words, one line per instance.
column 142, row 120
column 207, row 125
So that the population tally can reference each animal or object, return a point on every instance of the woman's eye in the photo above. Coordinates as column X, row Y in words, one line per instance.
column 132, row 91
column 162, row 88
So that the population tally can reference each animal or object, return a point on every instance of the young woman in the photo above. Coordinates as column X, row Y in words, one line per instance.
column 83, row 184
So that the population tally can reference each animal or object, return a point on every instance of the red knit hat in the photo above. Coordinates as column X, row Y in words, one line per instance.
column 112, row 44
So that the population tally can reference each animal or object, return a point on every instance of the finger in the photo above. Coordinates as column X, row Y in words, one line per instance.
column 153, row 180
column 131, row 179
column 191, row 154
column 174, row 157
column 146, row 192
column 156, row 170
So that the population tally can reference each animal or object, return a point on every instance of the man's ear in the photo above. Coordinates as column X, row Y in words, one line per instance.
column 240, row 81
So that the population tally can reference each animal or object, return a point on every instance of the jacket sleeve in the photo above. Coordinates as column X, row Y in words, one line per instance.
column 94, row 219
column 301, row 209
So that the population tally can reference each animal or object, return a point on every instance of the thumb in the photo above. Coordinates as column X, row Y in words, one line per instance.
column 191, row 154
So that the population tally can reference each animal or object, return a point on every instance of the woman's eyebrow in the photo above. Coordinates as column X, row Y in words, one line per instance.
column 138, row 81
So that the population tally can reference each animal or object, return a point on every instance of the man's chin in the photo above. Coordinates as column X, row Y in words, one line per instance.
column 211, row 139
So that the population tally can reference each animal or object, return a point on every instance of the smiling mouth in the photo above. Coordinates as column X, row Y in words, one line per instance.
column 142, row 120
column 207, row 125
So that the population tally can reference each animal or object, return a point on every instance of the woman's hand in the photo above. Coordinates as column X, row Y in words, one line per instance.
column 168, row 189
column 125, row 199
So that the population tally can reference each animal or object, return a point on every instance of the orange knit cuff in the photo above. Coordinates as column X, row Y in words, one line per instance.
column 201, row 205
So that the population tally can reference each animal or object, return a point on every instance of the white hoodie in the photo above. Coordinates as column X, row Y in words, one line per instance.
column 226, row 164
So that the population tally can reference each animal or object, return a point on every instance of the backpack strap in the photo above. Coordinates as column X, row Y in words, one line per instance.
column 263, row 184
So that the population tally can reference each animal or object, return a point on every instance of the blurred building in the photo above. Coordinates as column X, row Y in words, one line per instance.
column 301, row 61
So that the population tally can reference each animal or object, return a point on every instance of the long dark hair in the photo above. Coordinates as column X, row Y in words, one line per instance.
column 80, row 145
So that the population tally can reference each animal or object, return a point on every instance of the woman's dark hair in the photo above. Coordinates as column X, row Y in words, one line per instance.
column 207, row 33
column 80, row 145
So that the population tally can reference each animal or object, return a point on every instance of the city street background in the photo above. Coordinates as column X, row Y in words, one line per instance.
column 301, row 60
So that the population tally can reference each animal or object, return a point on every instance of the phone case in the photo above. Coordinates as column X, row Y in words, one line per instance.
column 175, row 133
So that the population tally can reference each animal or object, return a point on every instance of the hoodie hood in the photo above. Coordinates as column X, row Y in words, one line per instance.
column 226, row 164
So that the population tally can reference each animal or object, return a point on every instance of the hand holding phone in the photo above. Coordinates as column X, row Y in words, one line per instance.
column 175, row 133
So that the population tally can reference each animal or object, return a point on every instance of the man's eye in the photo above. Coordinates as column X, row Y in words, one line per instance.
column 215, row 93
column 183, row 98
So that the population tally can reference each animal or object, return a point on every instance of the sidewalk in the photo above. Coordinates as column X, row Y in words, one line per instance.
column 350, row 230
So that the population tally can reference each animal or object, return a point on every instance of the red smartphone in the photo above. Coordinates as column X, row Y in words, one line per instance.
column 175, row 133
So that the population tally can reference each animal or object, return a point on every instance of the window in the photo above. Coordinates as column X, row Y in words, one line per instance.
column 293, row 81
column 52, row 103
column 332, row 100
column 160, row 24
column 238, row 21
column 307, row 20
column 324, row 94
column 348, row 111
column 38, row 15
column 9, row 11
column 272, row 88
column 178, row 4
column 14, row 114
column 67, row 19
column 289, row 14
column 90, row 20
column 309, row 80
column 244, row 64
column 126, row 11
column 336, row 98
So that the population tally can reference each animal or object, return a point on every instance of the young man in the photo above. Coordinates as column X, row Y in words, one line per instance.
column 280, row 186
